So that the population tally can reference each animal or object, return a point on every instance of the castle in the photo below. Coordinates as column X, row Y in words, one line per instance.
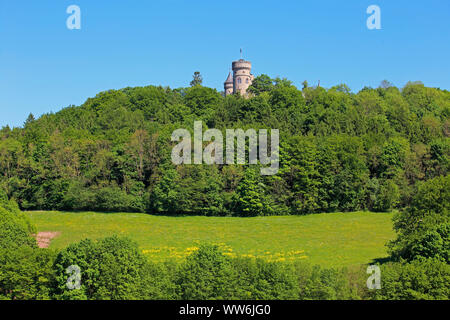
column 241, row 78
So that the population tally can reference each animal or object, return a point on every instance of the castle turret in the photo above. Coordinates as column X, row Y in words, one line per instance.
column 228, row 85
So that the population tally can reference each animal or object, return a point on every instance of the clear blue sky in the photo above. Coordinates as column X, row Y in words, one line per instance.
column 45, row 67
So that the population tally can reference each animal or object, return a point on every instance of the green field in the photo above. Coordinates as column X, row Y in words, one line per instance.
column 333, row 239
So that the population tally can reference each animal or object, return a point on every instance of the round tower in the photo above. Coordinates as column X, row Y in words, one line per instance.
column 228, row 85
column 242, row 76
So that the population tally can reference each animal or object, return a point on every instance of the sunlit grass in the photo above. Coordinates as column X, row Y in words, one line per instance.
column 332, row 239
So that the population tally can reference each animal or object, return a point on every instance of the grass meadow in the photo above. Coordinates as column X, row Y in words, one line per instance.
column 331, row 239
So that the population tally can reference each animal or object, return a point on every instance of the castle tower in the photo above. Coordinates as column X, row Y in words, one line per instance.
column 229, row 85
column 242, row 78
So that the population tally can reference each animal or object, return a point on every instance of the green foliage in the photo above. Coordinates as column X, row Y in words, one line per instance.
column 207, row 275
column 418, row 280
column 423, row 228
column 25, row 270
column 434, row 244
column 316, row 283
column 301, row 177
column 262, row 83
column 14, row 231
column 26, row 273
column 165, row 195
column 112, row 268
column 115, row 199
column 386, row 196
column 344, row 174
column 194, row 190
column 262, row 280
column 202, row 101
column 15, row 228
column 159, row 281
column 197, row 79
column 251, row 198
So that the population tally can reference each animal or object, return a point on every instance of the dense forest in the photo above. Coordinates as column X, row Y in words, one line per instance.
column 339, row 150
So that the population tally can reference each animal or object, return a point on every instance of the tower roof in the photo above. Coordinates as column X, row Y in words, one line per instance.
column 229, row 79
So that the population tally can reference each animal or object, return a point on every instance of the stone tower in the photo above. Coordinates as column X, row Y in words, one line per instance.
column 242, row 78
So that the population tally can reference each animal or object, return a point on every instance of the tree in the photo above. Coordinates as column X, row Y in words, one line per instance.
column 382, row 195
column 111, row 268
column 207, row 274
column 416, row 226
column 30, row 119
column 139, row 149
column 262, row 83
column 203, row 102
column 197, row 79
column 165, row 196
column 251, row 198
column 305, row 85
column 300, row 171
column 385, row 84
column 434, row 244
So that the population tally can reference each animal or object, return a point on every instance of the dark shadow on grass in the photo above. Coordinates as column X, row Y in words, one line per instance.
column 381, row 260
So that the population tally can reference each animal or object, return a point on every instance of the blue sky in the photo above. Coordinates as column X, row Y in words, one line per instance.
column 45, row 67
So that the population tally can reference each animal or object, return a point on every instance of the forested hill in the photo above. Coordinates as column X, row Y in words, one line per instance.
column 339, row 151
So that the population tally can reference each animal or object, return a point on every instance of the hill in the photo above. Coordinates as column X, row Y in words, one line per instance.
column 339, row 151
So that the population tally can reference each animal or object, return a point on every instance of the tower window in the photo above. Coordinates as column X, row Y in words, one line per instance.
column 239, row 80
column 246, row 80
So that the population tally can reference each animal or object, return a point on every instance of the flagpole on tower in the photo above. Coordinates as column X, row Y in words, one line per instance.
column 241, row 53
